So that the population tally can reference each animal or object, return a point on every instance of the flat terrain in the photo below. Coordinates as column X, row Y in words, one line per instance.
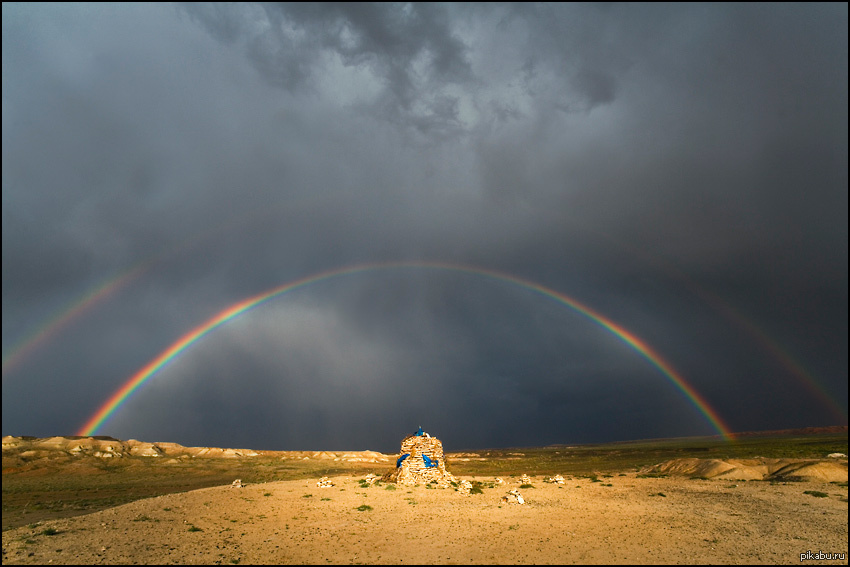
column 623, row 519
column 66, row 501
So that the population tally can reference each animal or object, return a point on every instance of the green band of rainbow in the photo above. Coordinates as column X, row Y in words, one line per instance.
column 108, row 409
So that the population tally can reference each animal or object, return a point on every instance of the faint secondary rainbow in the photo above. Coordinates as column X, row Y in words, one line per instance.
column 49, row 329
column 120, row 397
column 780, row 353
column 26, row 346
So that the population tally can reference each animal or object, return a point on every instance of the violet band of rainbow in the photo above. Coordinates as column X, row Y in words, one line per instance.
column 120, row 397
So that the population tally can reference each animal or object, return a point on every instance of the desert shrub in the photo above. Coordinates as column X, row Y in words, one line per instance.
column 363, row 507
column 816, row 493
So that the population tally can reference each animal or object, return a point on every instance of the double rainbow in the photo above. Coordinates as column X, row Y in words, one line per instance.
column 120, row 397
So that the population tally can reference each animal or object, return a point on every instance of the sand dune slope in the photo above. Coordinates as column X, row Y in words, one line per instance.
column 756, row 469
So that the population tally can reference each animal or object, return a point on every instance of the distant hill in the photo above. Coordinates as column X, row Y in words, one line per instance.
column 34, row 448
column 830, row 429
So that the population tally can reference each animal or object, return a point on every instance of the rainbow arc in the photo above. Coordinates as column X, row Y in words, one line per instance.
column 109, row 408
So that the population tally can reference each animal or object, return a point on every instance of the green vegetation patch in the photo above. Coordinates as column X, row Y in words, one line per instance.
column 816, row 493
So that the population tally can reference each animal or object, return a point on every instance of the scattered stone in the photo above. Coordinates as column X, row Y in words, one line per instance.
column 513, row 497
column 837, row 456
column 464, row 486
column 499, row 481
column 557, row 479
column 371, row 479
column 324, row 482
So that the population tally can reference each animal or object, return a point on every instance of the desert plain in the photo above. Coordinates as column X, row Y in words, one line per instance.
column 768, row 499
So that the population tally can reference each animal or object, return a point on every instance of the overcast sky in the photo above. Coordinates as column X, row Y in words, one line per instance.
column 679, row 169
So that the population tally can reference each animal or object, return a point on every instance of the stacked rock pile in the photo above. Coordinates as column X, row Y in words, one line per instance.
column 525, row 479
column 237, row 483
column 513, row 497
column 464, row 486
column 324, row 482
column 421, row 462
column 371, row 479
column 557, row 479
column 499, row 481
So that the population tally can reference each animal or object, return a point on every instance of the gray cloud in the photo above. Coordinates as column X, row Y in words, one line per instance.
column 410, row 51
column 681, row 170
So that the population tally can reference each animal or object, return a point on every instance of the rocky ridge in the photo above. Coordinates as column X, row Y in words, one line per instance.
column 31, row 448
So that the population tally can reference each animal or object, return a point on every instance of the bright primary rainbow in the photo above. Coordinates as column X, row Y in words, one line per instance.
column 120, row 397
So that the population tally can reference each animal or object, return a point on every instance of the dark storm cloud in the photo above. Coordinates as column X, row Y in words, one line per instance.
column 411, row 50
column 716, row 112
column 680, row 169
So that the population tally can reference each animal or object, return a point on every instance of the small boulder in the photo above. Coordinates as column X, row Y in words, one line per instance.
column 513, row 497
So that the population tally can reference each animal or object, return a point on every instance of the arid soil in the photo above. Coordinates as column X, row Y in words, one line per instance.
column 622, row 519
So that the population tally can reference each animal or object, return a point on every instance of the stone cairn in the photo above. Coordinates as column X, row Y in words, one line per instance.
column 237, row 483
column 421, row 461
column 499, row 481
column 371, row 479
column 525, row 479
column 324, row 482
column 557, row 479
column 464, row 486
column 513, row 497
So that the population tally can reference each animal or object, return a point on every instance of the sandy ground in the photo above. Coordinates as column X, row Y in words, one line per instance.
column 636, row 520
